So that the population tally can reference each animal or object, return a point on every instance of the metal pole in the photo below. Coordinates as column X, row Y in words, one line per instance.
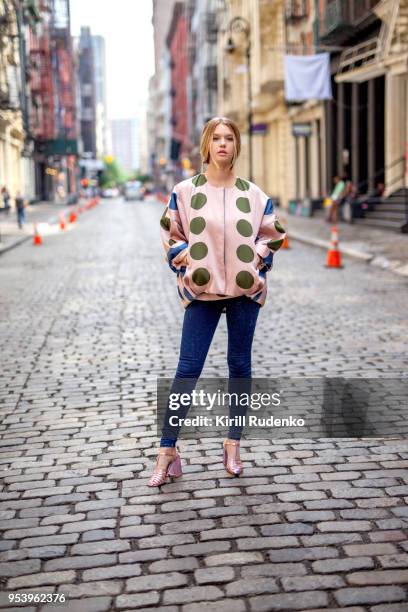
column 249, row 111
column 242, row 25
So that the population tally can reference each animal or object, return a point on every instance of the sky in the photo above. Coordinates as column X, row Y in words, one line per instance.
column 128, row 32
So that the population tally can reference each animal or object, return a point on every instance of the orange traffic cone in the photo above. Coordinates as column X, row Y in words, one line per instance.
column 333, row 254
column 285, row 244
column 62, row 223
column 36, row 238
column 72, row 217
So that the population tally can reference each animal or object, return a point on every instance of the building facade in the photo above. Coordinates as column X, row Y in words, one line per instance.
column 307, row 136
column 101, row 122
column 370, row 82
column 251, row 91
column 38, row 137
column 180, row 86
column 158, row 116
column 11, row 120
column 126, row 143
column 52, row 122
column 86, row 84
column 203, row 59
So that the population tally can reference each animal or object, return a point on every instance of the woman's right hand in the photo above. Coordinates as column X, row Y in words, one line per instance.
column 182, row 259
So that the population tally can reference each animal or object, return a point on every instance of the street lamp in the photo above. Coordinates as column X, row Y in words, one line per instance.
column 241, row 25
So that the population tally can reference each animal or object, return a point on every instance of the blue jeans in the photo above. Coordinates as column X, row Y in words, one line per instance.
column 199, row 325
column 20, row 217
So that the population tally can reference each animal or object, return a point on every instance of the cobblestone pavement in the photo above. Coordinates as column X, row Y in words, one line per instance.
column 89, row 320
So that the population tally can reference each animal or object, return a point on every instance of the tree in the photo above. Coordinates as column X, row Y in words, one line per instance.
column 136, row 175
column 112, row 174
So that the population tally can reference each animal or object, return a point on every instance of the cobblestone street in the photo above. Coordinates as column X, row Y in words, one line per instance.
column 90, row 319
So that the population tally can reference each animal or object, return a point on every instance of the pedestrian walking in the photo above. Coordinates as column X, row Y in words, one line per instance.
column 6, row 199
column 20, row 208
column 219, row 233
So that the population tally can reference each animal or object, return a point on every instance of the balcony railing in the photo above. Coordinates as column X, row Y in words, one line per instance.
column 336, row 15
column 211, row 28
column 295, row 10
column 342, row 18
column 361, row 8
column 367, row 57
column 9, row 90
column 335, row 23
column 211, row 77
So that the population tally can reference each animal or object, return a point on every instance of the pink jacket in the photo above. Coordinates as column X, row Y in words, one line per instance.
column 220, row 241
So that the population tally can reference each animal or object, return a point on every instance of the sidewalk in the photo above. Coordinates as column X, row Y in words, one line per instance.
column 381, row 248
column 43, row 212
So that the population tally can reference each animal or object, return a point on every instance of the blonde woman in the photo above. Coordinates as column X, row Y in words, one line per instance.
column 219, row 234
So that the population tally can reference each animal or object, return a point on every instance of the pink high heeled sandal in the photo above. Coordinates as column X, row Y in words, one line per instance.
column 173, row 469
column 232, row 462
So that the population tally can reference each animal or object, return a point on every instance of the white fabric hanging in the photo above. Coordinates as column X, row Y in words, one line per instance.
column 307, row 77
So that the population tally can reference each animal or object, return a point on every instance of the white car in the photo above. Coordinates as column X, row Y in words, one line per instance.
column 133, row 190
column 111, row 192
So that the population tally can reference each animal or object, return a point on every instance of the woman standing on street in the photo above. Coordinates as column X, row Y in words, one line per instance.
column 219, row 233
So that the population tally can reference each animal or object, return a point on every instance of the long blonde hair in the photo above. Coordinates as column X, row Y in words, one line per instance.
column 207, row 133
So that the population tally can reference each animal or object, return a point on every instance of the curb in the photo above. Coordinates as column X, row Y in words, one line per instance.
column 14, row 244
column 19, row 241
column 369, row 258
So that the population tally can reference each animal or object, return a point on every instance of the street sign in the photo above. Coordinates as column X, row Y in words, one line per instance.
column 259, row 128
column 302, row 129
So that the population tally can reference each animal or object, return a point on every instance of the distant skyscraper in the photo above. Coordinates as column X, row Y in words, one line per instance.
column 126, row 143
column 101, row 127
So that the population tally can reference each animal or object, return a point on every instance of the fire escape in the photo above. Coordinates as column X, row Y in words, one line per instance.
column 42, row 99
column 64, row 82
column 366, row 60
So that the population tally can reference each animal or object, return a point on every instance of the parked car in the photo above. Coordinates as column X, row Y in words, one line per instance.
column 133, row 190
column 110, row 192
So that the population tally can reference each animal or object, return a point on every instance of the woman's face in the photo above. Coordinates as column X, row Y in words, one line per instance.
column 222, row 145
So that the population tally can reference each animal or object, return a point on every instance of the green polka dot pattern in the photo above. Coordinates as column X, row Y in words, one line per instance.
column 201, row 276
column 245, row 253
column 244, row 228
column 198, row 250
column 243, row 205
column 197, row 225
column 244, row 279
column 241, row 184
column 199, row 180
column 165, row 221
column 198, row 200
column 274, row 245
column 278, row 227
